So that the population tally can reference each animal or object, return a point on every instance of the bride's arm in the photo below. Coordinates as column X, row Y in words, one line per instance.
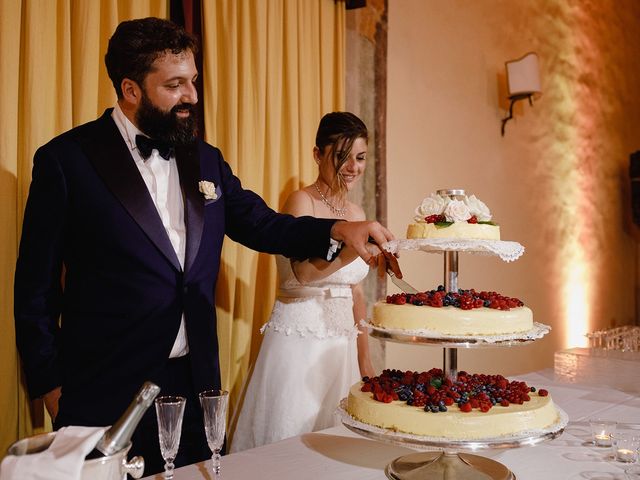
column 299, row 204
column 360, row 313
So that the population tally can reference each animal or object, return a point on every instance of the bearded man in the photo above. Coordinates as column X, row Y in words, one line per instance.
column 133, row 208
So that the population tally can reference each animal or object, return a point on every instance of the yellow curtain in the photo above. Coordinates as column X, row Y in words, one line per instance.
column 52, row 77
column 271, row 70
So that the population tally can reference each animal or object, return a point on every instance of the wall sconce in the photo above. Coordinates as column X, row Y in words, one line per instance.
column 523, row 81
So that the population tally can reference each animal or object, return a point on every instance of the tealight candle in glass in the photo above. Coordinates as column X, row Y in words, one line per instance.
column 602, row 431
column 627, row 444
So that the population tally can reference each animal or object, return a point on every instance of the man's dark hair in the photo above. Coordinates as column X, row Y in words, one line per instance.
column 136, row 44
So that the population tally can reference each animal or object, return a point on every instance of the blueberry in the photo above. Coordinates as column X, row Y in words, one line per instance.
column 533, row 389
column 365, row 379
column 443, row 408
column 435, row 408
column 487, row 303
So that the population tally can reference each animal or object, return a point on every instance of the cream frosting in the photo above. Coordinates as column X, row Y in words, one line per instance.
column 451, row 320
column 535, row 414
column 480, row 231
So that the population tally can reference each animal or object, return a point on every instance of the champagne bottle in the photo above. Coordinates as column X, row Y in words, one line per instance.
column 119, row 435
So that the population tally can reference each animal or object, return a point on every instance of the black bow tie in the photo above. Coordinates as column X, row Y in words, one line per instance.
column 146, row 145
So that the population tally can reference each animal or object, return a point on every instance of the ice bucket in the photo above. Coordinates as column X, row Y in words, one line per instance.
column 111, row 467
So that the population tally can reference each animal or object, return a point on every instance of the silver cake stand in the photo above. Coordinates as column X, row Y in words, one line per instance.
column 444, row 461
column 447, row 462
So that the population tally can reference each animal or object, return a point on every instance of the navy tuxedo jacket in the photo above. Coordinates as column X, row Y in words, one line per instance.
column 112, row 322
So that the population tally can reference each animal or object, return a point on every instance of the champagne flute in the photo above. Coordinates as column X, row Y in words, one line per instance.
column 214, row 407
column 169, row 410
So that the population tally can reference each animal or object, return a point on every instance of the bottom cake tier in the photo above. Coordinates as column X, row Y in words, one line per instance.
column 472, row 407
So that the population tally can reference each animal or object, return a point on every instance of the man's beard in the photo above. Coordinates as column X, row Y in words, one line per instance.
column 167, row 126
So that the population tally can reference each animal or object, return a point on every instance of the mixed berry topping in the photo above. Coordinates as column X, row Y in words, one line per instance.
column 464, row 299
column 436, row 219
column 435, row 393
column 441, row 220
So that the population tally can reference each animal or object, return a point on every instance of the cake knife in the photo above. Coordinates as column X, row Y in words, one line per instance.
column 401, row 284
column 398, row 282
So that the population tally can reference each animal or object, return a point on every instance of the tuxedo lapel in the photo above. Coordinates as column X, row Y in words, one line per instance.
column 188, row 161
column 111, row 157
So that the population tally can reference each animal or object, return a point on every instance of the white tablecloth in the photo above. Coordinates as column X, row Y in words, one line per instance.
column 337, row 453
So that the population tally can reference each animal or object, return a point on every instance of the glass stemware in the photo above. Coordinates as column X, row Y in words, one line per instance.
column 169, row 411
column 214, row 408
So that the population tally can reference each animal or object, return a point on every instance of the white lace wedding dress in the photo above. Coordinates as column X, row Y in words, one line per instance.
column 307, row 361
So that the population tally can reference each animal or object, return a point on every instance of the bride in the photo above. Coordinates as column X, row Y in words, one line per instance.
column 313, row 349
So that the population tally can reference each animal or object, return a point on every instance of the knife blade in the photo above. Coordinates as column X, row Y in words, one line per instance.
column 401, row 284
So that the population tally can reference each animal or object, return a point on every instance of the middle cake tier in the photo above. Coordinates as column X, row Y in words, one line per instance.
column 465, row 312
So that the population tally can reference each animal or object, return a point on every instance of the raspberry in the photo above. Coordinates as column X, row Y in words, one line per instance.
column 542, row 392
column 465, row 407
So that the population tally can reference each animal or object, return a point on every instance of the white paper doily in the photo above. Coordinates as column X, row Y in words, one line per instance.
column 506, row 250
column 538, row 331
column 525, row 437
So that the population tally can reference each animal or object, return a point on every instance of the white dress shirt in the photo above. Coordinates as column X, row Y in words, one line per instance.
column 163, row 183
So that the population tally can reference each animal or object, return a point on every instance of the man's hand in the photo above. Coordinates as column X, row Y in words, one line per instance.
column 357, row 234
column 51, row 402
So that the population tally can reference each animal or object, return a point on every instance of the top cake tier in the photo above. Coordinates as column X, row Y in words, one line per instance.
column 453, row 214
column 450, row 220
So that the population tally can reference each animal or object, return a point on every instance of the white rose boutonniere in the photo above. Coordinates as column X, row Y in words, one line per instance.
column 457, row 211
column 208, row 189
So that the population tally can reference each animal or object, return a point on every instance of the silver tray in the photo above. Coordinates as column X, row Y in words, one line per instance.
column 419, row 442
column 426, row 337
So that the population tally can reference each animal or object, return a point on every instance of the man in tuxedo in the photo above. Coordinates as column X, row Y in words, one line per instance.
column 131, row 210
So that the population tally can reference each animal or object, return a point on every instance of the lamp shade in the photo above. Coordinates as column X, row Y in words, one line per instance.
column 523, row 75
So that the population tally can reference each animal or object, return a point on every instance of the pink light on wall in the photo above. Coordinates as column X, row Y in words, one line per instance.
column 580, row 215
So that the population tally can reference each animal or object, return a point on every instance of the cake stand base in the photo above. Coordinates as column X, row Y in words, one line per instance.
column 447, row 466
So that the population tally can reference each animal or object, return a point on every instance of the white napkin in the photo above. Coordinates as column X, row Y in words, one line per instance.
column 61, row 461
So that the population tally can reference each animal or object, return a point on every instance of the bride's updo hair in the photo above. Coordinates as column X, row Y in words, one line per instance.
column 339, row 130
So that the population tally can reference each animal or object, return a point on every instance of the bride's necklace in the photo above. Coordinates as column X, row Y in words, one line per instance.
column 341, row 212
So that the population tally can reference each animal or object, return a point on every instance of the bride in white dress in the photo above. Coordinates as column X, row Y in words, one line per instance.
column 312, row 351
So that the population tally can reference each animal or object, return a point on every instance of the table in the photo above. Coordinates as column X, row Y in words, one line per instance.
column 337, row 453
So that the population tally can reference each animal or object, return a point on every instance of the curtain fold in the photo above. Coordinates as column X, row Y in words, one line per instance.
column 52, row 78
column 271, row 70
